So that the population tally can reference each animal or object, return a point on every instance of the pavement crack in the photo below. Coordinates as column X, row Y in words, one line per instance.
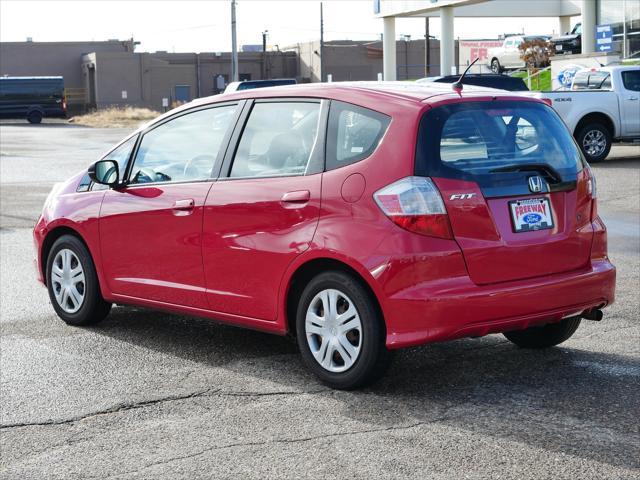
column 269, row 394
column 111, row 410
column 145, row 403
column 283, row 441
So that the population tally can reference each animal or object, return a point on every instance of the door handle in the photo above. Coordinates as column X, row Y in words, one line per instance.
column 299, row 196
column 187, row 204
column 633, row 98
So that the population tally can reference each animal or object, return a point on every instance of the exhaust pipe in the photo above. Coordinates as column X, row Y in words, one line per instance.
column 595, row 315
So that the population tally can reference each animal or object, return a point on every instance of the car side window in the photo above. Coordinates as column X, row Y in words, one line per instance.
column 353, row 133
column 122, row 153
column 182, row 149
column 631, row 80
column 278, row 140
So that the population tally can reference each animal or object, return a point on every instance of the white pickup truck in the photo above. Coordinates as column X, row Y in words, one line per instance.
column 599, row 117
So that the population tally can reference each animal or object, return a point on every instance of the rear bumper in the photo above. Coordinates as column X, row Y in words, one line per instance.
column 456, row 307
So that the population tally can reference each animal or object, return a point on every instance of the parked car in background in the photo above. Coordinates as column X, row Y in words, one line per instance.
column 359, row 218
column 489, row 80
column 32, row 98
column 570, row 42
column 599, row 117
column 509, row 55
column 251, row 84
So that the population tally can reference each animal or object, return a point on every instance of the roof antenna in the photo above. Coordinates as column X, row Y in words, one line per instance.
column 457, row 87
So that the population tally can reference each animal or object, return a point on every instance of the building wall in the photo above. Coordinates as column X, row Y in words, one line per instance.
column 149, row 77
column 362, row 60
column 53, row 58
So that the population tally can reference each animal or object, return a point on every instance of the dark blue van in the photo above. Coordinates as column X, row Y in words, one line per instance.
column 32, row 98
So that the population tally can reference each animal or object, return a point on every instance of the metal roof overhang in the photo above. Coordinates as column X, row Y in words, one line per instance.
column 480, row 8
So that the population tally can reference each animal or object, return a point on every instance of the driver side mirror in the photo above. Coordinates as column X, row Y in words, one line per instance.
column 104, row 172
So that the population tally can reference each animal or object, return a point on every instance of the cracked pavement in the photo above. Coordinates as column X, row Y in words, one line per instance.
column 154, row 395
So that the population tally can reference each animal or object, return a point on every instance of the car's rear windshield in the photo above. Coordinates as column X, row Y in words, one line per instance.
column 479, row 140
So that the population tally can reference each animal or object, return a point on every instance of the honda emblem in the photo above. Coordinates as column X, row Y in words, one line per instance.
column 535, row 184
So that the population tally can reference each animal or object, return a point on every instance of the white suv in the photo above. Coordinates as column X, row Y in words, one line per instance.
column 507, row 57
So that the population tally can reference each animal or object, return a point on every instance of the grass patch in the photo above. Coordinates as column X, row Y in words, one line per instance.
column 126, row 117
column 540, row 82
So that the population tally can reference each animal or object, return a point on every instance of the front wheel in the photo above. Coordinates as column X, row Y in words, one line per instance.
column 495, row 66
column 73, row 283
column 595, row 142
column 340, row 332
column 34, row 117
column 545, row 336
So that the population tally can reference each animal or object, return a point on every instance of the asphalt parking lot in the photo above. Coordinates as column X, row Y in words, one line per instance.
column 153, row 395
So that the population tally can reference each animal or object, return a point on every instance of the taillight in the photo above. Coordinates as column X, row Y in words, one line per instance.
column 592, row 191
column 548, row 101
column 415, row 204
column 64, row 104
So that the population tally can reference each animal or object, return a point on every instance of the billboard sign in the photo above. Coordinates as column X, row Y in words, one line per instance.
column 472, row 49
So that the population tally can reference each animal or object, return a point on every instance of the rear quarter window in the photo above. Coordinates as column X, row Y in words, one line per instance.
column 353, row 133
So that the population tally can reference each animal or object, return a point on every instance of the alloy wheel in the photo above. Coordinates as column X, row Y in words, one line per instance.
column 594, row 143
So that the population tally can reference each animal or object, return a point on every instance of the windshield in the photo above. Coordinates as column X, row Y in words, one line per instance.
column 484, row 139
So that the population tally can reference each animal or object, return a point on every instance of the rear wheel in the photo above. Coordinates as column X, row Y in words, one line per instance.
column 73, row 283
column 340, row 332
column 595, row 142
column 34, row 116
column 545, row 336
column 495, row 66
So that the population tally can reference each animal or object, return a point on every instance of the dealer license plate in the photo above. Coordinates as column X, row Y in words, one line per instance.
column 531, row 214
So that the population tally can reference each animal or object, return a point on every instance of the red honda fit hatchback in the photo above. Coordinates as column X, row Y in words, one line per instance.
column 360, row 218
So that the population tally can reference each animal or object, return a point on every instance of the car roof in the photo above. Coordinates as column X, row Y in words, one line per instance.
column 379, row 96
column 400, row 91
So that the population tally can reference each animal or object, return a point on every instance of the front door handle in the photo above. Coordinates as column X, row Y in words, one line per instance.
column 183, row 205
column 299, row 196
column 633, row 98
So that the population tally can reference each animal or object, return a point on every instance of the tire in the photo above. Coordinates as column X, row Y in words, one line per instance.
column 34, row 117
column 594, row 140
column 545, row 336
column 367, row 358
column 67, row 253
column 495, row 66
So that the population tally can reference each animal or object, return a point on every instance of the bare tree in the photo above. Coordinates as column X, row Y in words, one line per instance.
column 536, row 54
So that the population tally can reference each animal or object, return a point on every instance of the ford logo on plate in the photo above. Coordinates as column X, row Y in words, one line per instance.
column 532, row 218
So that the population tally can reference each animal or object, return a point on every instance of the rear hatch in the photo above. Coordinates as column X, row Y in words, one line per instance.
column 515, row 188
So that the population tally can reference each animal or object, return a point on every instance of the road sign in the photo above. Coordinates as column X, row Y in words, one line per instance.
column 604, row 38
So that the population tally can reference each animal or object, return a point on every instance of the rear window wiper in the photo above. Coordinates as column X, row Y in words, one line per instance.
column 548, row 171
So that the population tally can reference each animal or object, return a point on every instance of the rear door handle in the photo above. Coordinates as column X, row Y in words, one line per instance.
column 182, row 205
column 299, row 196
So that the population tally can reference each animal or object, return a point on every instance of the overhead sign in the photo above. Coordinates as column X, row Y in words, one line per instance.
column 604, row 38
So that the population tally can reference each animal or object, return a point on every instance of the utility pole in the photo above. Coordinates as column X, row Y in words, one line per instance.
column 427, row 53
column 234, row 46
column 321, row 44
column 264, row 54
